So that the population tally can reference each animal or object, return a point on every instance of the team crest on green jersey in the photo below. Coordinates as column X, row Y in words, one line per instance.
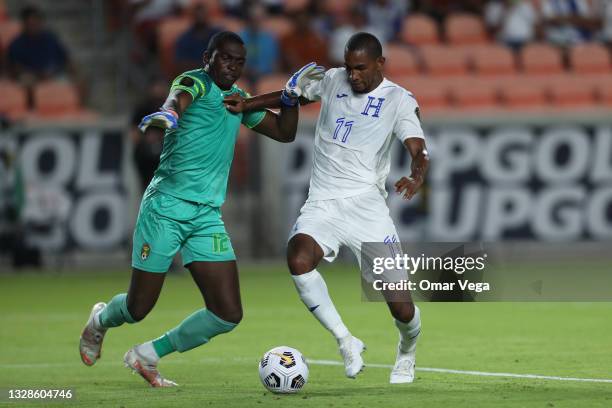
column 144, row 252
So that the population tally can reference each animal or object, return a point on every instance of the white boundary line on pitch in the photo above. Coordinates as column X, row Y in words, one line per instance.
column 476, row 373
column 333, row 363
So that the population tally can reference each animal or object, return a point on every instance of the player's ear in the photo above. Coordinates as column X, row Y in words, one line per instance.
column 380, row 61
column 205, row 59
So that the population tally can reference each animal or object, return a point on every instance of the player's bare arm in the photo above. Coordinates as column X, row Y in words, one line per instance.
column 292, row 92
column 420, row 162
column 271, row 100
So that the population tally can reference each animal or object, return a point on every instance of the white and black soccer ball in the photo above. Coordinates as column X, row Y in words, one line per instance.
column 283, row 370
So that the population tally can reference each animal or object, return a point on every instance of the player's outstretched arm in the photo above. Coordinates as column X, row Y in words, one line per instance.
column 293, row 89
column 167, row 117
column 420, row 162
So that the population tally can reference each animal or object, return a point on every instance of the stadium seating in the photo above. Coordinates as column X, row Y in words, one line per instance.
column 443, row 60
column 432, row 94
column 419, row 29
column 541, row 59
column 8, row 31
column 570, row 90
column 492, row 60
column 56, row 99
column 473, row 93
column 519, row 93
column 168, row 32
column 213, row 7
column 462, row 29
column 14, row 102
column 590, row 58
column 401, row 61
column 294, row 5
column 228, row 23
column 278, row 26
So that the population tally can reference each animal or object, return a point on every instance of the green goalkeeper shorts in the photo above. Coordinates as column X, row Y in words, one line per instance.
column 167, row 224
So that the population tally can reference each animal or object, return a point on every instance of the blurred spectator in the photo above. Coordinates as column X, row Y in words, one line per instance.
column 146, row 15
column 568, row 22
column 356, row 22
column 512, row 22
column 303, row 44
column 233, row 8
column 322, row 20
column 191, row 44
column 386, row 16
column 37, row 53
column 273, row 6
column 603, row 9
column 148, row 146
column 261, row 45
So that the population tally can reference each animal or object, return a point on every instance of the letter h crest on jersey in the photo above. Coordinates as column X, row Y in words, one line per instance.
column 371, row 105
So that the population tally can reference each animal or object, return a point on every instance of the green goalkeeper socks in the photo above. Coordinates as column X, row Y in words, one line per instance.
column 194, row 331
column 116, row 312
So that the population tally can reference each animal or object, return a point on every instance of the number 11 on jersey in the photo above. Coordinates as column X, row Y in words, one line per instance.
column 348, row 125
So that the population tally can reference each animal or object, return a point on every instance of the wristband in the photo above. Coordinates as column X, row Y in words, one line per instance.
column 288, row 100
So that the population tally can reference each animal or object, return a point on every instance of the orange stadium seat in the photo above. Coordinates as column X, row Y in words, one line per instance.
column 605, row 94
column 419, row 29
column 278, row 26
column 167, row 33
column 590, row 58
column 295, row 5
column 464, row 29
column 518, row 92
column 571, row 91
column 493, row 60
column 431, row 94
column 443, row 60
column 8, row 31
column 541, row 59
column 271, row 83
column 14, row 101
column 473, row 92
column 56, row 98
column 400, row 61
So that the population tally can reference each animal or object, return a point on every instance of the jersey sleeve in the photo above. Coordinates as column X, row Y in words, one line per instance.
column 251, row 119
column 408, row 122
column 197, row 89
column 315, row 88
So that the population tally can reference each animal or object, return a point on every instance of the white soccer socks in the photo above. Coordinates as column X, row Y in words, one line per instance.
column 403, row 370
column 313, row 292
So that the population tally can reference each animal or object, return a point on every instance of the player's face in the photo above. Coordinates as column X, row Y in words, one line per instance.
column 364, row 72
column 226, row 64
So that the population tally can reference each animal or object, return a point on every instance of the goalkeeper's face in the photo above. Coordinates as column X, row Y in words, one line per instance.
column 364, row 73
column 226, row 63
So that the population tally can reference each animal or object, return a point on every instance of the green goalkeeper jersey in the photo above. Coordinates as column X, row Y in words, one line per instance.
column 197, row 156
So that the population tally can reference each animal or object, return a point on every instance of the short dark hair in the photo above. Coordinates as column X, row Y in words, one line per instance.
column 221, row 38
column 365, row 42
column 30, row 11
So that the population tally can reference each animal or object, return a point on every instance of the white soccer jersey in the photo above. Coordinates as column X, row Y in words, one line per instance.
column 354, row 134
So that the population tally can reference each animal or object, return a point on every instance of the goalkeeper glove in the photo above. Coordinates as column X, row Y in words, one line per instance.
column 165, row 119
column 309, row 72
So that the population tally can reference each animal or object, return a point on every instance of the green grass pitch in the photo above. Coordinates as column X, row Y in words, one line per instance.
column 41, row 316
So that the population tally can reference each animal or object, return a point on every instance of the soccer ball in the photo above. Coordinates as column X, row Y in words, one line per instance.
column 283, row 370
